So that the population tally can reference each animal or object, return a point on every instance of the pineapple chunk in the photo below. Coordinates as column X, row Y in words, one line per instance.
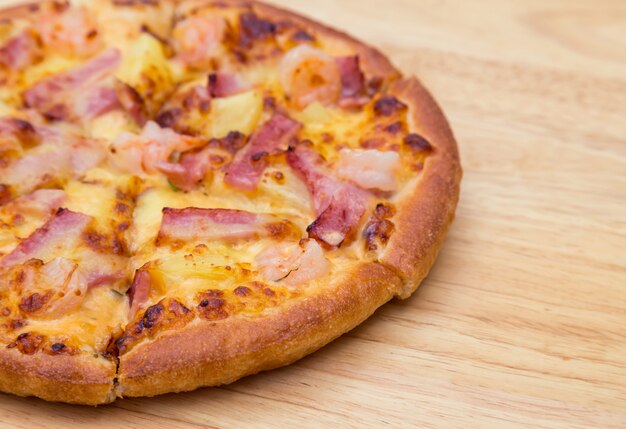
column 112, row 124
column 146, row 68
column 51, row 65
column 5, row 109
column 315, row 114
column 237, row 113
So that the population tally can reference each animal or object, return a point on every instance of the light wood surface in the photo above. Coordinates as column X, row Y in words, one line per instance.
column 522, row 322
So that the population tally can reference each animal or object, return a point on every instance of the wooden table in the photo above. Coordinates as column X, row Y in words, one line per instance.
column 522, row 322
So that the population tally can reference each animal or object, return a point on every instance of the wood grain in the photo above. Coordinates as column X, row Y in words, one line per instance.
column 522, row 322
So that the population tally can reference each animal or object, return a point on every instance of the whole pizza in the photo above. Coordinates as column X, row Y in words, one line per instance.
column 196, row 191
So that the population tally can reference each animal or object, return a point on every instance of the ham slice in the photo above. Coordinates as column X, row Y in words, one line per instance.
column 20, row 51
column 149, row 150
column 340, row 206
column 191, row 169
column 81, row 92
column 194, row 165
column 352, row 78
column 195, row 224
column 60, row 233
column 74, row 156
column 139, row 292
column 16, row 134
column 40, row 203
column 67, row 233
column 249, row 164
column 352, row 82
column 226, row 85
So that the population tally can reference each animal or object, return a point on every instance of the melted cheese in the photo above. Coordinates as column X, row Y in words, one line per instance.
column 102, row 312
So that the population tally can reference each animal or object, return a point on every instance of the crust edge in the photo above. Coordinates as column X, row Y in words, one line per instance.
column 215, row 353
column 76, row 379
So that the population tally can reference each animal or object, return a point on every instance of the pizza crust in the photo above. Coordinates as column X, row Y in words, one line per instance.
column 213, row 353
column 76, row 379
column 426, row 213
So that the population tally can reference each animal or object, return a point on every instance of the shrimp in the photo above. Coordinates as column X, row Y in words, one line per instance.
column 293, row 264
column 49, row 290
column 144, row 152
column 369, row 169
column 72, row 31
column 308, row 74
column 197, row 39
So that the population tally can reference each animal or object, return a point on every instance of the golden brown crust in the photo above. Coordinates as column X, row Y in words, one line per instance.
column 214, row 353
column 207, row 353
column 76, row 379
column 425, row 215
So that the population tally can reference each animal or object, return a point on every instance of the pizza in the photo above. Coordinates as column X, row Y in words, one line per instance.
column 196, row 191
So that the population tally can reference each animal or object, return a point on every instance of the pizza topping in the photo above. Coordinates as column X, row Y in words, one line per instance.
column 250, row 162
column 226, row 85
column 21, row 51
column 339, row 205
column 69, row 31
column 369, row 169
column 40, row 203
column 352, row 82
column 139, row 292
column 388, row 105
column 47, row 168
column 379, row 228
column 197, row 39
column 16, row 135
column 60, row 287
column 60, row 232
column 194, row 224
column 144, row 152
column 132, row 102
column 308, row 74
column 77, row 93
column 193, row 166
column 253, row 28
column 293, row 264
column 167, row 314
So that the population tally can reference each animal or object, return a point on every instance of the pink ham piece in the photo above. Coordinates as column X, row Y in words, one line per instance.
column 139, row 292
column 152, row 148
column 191, row 169
column 40, row 203
column 194, row 224
column 60, row 233
column 17, row 133
column 20, row 51
column 81, row 92
column 74, row 157
column 249, row 164
column 352, row 78
column 340, row 206
column 66, row 233
column 226, row 85
column 352, row 82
